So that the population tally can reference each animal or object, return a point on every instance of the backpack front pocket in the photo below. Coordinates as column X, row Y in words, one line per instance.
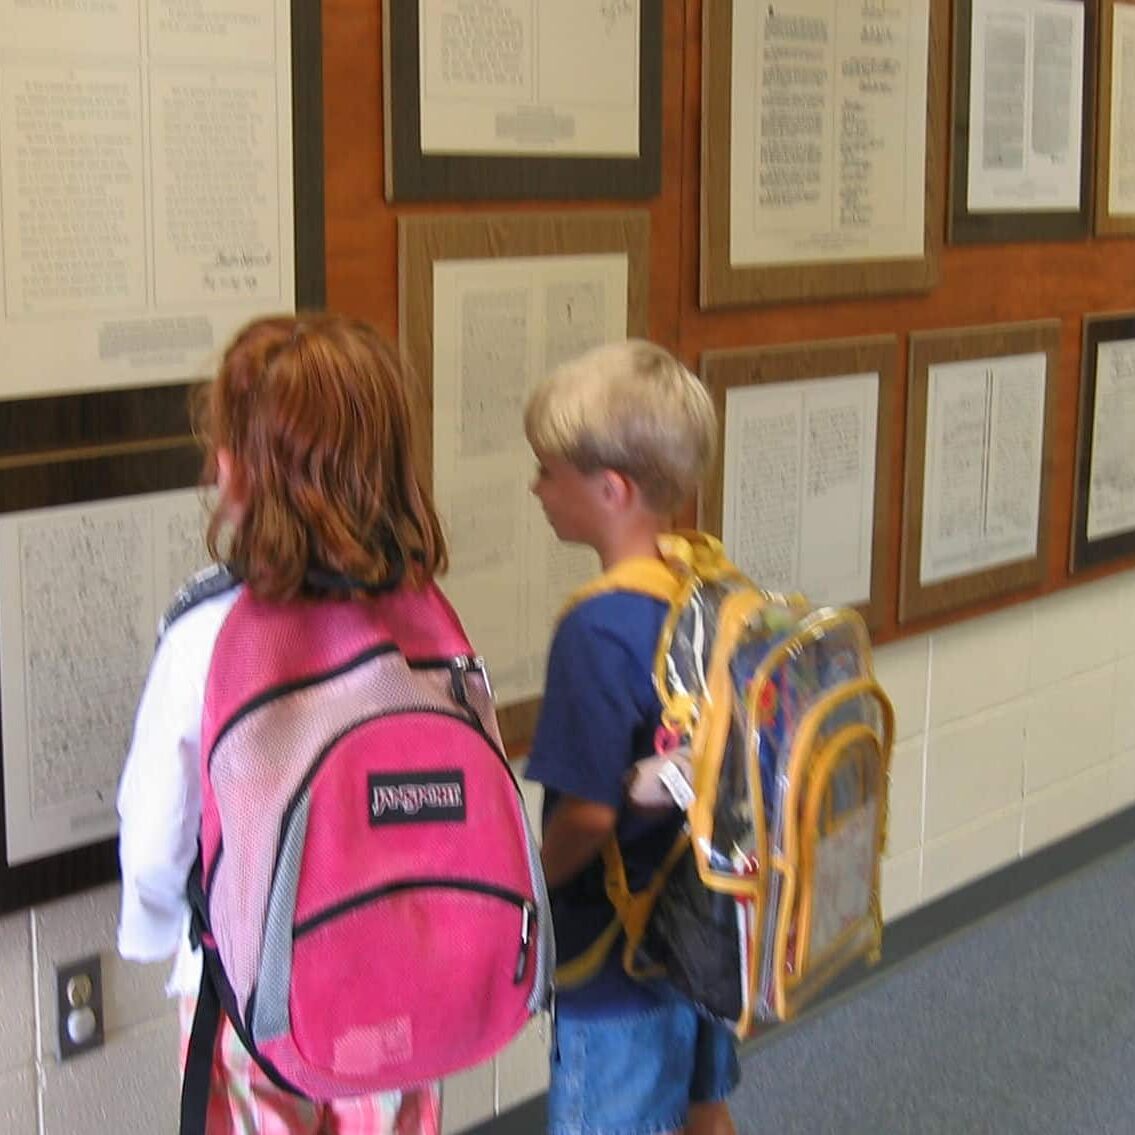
column 401, row 922
column 419, row 934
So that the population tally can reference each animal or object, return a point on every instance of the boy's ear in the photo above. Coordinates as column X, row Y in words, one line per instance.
column 618, row 489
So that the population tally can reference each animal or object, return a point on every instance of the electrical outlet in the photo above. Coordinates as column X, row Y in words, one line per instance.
column 78, row 999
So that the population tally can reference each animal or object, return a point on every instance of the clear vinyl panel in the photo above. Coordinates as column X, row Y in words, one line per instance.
column 839, row 844
column 702, row 935
column 822, row 727
column 744, row 675
column 735, row 627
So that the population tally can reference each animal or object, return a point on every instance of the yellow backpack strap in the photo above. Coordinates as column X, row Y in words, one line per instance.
column 642, row 574
column 586, row 965
column 697, row 554
column 687, row 557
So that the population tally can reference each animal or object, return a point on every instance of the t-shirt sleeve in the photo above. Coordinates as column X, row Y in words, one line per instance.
column 592, row 710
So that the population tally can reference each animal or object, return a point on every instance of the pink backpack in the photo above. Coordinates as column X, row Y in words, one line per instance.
column 370, row 899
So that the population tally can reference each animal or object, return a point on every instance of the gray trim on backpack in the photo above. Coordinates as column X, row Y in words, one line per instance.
column 271, row 1017
column 541, row 996
column 205, row 584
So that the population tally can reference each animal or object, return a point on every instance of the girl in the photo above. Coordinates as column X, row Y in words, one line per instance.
column 307, row 433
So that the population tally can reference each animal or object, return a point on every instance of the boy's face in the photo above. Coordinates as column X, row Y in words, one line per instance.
column 574, row 502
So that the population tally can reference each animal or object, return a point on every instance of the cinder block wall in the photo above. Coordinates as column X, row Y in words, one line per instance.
column 1013, row 731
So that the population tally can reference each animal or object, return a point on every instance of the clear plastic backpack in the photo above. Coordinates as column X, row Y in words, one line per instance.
column 773, row 888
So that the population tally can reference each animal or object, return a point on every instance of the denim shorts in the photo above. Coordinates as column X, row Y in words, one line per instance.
column 636, row 1073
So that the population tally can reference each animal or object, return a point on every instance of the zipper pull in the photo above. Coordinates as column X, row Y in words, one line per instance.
column 458, row 669
column 525, row 939
column 478, row 663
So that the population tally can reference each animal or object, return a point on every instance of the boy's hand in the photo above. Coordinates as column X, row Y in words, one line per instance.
column 661, row 782
column 576, row 832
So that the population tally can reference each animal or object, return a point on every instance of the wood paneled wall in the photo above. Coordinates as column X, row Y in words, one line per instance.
column 977, row 286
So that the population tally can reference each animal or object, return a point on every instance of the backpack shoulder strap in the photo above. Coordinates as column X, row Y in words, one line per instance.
column 698, row 554
column 685, row 556
column 197, row 1076
column 205, row 584
column 642, row 575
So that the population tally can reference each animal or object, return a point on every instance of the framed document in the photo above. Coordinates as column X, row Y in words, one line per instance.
column 1023, row 120
column 979, row 447
column 805, row 450
column 96, row 451
column 1115, row 152
column 823, row 148
column 74, row 653
column 488, row 305
column 1103, row 518
column 522, row 98
column 176, row 219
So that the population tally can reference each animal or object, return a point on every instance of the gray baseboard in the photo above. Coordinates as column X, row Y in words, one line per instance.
column 908, row 935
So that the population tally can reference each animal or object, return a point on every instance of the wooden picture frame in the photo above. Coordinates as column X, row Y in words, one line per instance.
column 411, row 175
column 933, row 348
column 723, row 284
column 723, row 371
column 968, row 226
column 1108, row 223
column 100, row 445
column 424, row 240
column 1087, row 553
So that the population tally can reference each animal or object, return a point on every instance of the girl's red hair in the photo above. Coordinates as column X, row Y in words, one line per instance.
column 317, row 416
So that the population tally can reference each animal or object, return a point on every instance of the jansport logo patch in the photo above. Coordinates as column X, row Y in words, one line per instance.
column 416, row 798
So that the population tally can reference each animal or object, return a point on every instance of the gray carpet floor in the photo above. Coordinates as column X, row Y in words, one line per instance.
column 1021, row 1023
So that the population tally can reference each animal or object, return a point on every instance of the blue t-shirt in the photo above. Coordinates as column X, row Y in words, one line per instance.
column 600, row 714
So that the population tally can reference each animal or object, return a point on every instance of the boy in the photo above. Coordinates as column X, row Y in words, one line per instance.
column 623, row 436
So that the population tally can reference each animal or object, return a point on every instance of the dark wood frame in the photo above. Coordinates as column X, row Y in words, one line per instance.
column 723, row 284
column 425, row 239
column 77, row 448
column 1087, row 553
column 723, row 371
column 1016, row 225
column 918, row 601
column 1106, row 222
column 411, row 175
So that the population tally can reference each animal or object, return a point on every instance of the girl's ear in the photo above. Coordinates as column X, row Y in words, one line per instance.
column 224, row 462
column 228, row 484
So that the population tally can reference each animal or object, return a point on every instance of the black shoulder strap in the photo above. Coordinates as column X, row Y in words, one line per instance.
column 197, row 1075
column 199, row 1058
column 213, row 580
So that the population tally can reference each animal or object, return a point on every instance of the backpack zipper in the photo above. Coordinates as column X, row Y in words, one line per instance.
column 527, row 909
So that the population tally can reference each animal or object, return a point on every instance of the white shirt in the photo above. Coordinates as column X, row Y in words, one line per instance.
column 159, row 797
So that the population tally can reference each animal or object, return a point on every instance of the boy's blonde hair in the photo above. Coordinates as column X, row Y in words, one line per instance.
column 630, row 407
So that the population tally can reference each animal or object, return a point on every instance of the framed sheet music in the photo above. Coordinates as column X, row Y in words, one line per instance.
column 823, row 177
